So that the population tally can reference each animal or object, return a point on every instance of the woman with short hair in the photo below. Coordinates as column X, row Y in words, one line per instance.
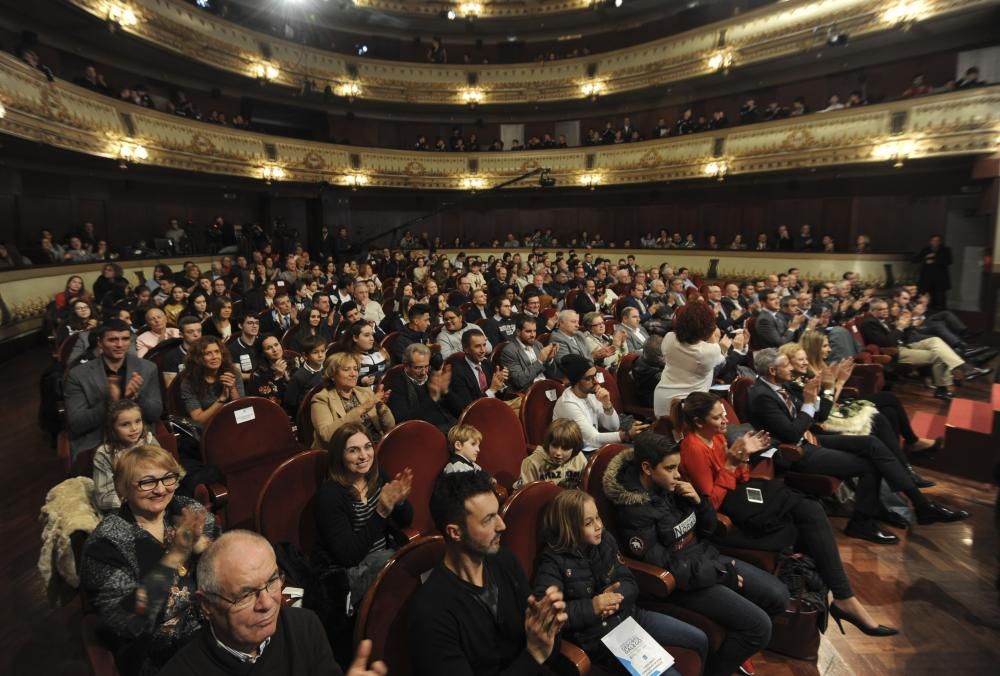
column 343, row 400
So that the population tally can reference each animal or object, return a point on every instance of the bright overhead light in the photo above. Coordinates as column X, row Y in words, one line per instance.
column 3, row 111
column 906, row 12
column 122, row 15
column 592, row 89
column 720, row 61
column 717, row 170
column 473, row 96
column 473, row 183
column 272, row 172
column 356, row 180
column 590, row 180
column 265, row 71
column 897, row 151
column 131, row 152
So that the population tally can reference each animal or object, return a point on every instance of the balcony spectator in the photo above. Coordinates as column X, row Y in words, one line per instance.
column 496, row 146
column 516, row 145
column 711, row 242
column 661, row 130
column 775, row 111
column 805, row 241
column 473, row 145
column 738, row 244
column 439, row 145
column 685, row 124
column 718, row 121
column 455, row 139
column 799, row 107
column 749, row 113
column 608, row 135
column 863, row 244
column 183, row 107
column 75, row 252
column 856, row 99
column 783, row 239
column 832, row 104
column 627, row 128
column 828, row 244
column 437, row 52
column 762, row 244
column 917, row 87
column 970, row 79
column 93, row 81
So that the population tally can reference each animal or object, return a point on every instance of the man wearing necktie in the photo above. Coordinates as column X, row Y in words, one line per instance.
column 472, row 375
column 789, row 421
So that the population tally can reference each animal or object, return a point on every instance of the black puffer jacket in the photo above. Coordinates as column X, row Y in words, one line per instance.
column 582, row 575
column 665, row 529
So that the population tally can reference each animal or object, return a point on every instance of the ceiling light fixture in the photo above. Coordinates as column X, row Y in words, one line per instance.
column 717, row 170
column 121, row 15
column 265, row 72
column 350, row 90
column 473, row 96
column 356, row 181
column 473, row 183
column 898, row 151
column 590, row 180
column 721, row 60
column 592, row 89
column 129, row 152
column 905, row 14
column 272, row 172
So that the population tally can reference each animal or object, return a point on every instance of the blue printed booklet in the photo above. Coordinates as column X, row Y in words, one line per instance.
column 636, row 649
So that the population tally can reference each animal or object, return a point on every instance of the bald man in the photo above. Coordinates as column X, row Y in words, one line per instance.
column 248, row 629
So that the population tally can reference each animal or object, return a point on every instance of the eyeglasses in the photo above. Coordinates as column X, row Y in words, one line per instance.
column 149, row 483
column 247, row 599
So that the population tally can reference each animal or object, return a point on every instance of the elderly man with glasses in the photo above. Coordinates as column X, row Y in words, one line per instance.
column 249, row 628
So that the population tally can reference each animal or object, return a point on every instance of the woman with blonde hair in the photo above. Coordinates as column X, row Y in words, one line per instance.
column 343, row 400
column 817, row 350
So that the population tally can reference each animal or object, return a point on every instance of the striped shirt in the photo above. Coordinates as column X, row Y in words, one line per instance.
column 362, row 513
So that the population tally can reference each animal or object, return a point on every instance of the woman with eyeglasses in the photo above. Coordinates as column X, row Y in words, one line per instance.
column 139, row 564
column 360, row 512
column 595, row 334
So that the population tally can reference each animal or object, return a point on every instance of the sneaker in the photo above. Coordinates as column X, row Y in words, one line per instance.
column 747, row 669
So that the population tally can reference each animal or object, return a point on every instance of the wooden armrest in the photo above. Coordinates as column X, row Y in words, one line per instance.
column 214, row 497
column 411, row 534
column 578, row 660
column 501, row 493
column 725, row 524
column 882, row 359
column 790, row 452
column 762, row 469
column 891, row 351
column 652, row 580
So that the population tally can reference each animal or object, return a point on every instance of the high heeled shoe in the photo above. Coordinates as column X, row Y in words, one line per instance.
column 838, row 614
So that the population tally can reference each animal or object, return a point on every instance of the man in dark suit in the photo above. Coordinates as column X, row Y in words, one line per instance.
column 93, row 386
column 637, row 298
column 934, row 260
column 779, row 321
column 586, row 299
column 524, row 359
column 472, row 376
column 479, row 308
column 280, row 318
column 788, row 419
column 417, row 394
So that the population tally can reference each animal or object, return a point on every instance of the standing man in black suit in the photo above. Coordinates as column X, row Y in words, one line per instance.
column 934, row 279
column 472, row 377
column 789, row 419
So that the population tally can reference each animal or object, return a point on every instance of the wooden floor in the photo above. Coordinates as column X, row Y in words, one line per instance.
column 937, row 587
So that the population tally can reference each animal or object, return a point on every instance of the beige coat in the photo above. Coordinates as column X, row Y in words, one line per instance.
column 327, row 413
column 69, row 507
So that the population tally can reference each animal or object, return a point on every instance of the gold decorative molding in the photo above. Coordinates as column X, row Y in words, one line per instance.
column 488, row 9
column 66, row 116
column 771, row 32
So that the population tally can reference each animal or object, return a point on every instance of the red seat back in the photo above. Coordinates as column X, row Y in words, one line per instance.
column 247, row 452
column 522, row 513
column 570, row 300
column 389, row 341
column 610, row 383
column 173, row 402
column 754, row 338
column 495, row 356
column 286, row 508
column 421, row 447
column 593, row 478
column 739, row 395
column 536, row 409
column 303, row 418
column 384, row 610
column 503, row 446
column 626, row 384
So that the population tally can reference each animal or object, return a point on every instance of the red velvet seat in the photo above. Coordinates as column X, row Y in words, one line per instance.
column 421, row 447
column 536, row 409
column 303, row 418
column 569, row 301
column 522, row 514
column 246, row 452
column 384, row 610
column 627, row 389
column 172, row 403
column 99, row 658
column 286, row 509
column 655, row 584
column 389, row 341
column 608, row 380
column 503, row 446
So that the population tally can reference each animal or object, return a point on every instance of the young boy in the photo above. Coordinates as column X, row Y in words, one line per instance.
column 308, row 376
column 463, row 444
column 559, row 459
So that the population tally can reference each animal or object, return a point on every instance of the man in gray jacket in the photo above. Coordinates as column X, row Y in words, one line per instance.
column 570, row 341
column 524, row 359
column 92, row 387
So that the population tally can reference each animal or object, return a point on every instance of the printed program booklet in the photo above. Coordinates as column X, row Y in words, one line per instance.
column 636, row 649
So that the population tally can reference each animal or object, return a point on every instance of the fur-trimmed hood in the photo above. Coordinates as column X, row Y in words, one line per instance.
column 621, row 481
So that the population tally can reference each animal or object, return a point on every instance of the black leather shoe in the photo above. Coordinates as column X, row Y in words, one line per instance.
column 893, row 519
column 971, row 372
column 984, row 357
column 943, row 393
column 973, row 350
column 870, row 532
column 935, row 513
column 918, row 480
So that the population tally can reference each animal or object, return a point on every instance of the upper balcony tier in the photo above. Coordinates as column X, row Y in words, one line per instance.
column 766, row 35
column 62, row 115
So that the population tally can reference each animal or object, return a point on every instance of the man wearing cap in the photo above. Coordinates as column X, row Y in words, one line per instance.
column 589, row 405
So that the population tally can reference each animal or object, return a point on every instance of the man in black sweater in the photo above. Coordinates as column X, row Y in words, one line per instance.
column 248, row 630
column 473, row 614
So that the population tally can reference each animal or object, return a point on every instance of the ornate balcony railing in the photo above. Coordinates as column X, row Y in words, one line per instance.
column 769, row 33
column 64, row 115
